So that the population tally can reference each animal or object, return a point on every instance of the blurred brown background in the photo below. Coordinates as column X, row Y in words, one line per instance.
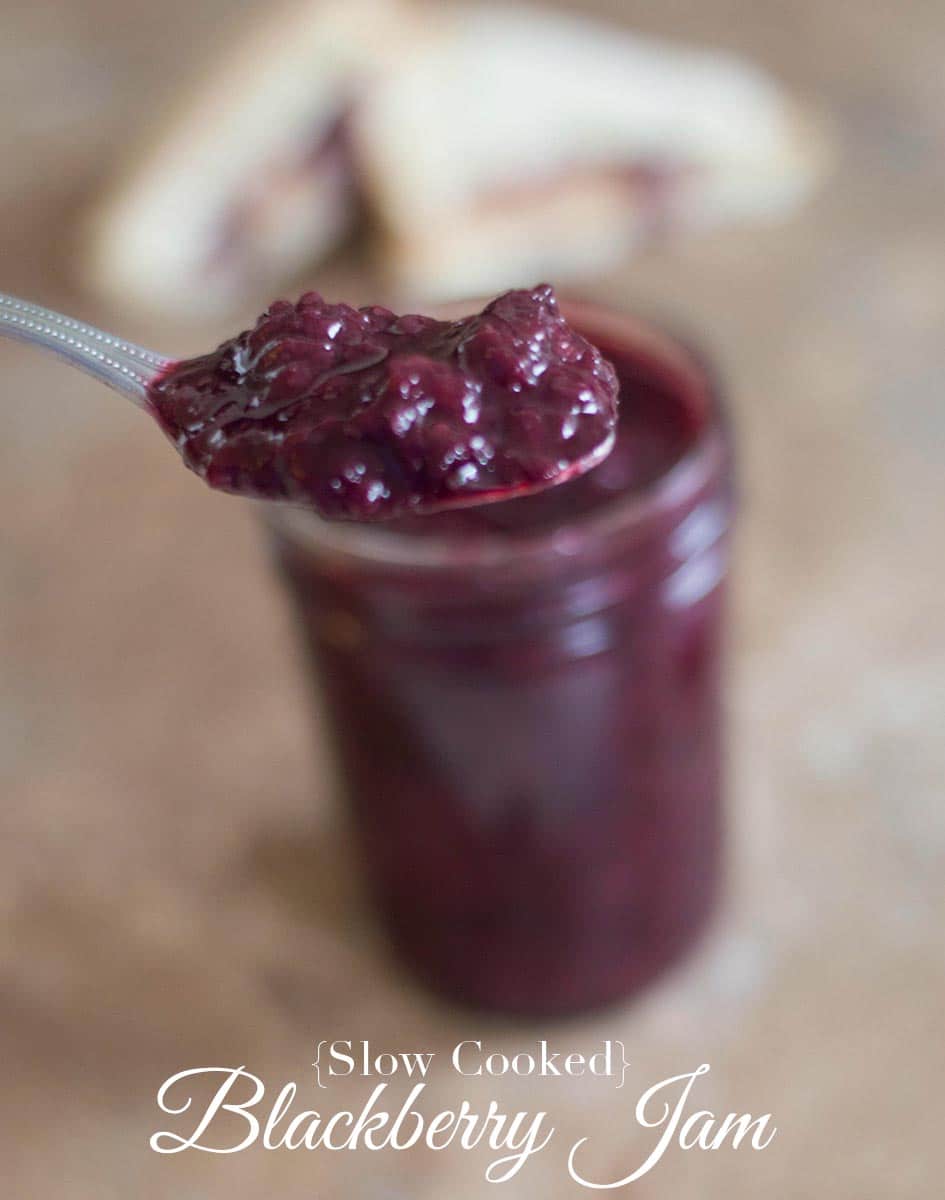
column 174, row 892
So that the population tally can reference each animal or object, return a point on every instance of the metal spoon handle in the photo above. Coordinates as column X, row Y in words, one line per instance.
column 119, row 364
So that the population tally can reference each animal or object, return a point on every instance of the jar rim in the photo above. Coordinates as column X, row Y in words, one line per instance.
column 372, row 544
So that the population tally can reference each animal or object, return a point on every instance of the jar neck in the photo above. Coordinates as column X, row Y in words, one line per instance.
column 672, row 559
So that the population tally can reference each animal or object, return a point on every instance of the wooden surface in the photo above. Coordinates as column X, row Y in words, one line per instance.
column 174, row 891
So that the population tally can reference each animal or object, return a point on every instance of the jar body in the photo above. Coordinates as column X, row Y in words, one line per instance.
column 531, row 750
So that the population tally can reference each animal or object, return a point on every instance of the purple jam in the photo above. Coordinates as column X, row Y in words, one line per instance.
column 364, row 415
column 655, row 428
column 524, row 700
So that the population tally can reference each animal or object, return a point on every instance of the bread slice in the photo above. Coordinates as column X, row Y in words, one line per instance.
column 530, row 144
column 494, row 144
column 249, row 178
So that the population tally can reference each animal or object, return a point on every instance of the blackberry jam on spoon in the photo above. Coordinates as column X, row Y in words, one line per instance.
column 364, row 415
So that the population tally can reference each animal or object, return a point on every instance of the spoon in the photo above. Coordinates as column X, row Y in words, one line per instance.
column 118, row 364
column 360, row 414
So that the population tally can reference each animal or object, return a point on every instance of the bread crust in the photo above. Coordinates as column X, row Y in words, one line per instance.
column 280, row 83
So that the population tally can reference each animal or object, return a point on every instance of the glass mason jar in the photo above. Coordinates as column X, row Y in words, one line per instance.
column 527, row 723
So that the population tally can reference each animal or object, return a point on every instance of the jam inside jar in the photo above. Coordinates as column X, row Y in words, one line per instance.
column 525, row 702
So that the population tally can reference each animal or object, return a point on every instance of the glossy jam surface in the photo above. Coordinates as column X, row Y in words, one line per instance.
column 657, row 424
column 532, row 754
column 364, row 415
